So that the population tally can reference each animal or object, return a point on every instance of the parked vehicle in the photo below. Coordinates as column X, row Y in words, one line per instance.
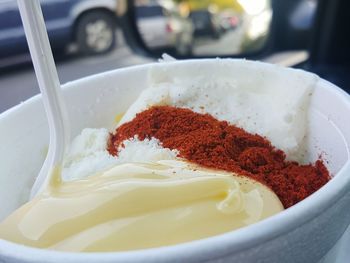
column 90, row 24
column 229, row 20
column 163, row 26
column 206, row 24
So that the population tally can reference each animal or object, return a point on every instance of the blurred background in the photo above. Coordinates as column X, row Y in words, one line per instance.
column 207, row 27
column 86, row 36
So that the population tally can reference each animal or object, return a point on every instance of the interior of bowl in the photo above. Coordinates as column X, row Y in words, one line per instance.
column 328, row 135
column 96, row 100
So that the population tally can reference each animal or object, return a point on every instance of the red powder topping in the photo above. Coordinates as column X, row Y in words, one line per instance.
column 202, row 139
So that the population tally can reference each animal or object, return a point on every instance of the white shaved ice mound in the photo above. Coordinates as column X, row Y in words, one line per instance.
column 88, row 154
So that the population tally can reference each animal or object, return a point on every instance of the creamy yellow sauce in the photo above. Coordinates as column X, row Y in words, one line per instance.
column 136, row 206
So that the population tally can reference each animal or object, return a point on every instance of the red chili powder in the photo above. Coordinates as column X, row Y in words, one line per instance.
column 204, row 140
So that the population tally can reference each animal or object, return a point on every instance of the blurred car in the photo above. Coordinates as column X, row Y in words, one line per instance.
column 89, row 23
column 162, row 26
column 229, row 20
column 206, row 23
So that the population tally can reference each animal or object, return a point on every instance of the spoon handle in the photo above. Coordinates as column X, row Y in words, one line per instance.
column 46, row 73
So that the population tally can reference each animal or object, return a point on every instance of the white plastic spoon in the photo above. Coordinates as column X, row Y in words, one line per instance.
column 46, row 73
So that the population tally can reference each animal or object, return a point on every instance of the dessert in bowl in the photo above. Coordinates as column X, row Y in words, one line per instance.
column 303, row 232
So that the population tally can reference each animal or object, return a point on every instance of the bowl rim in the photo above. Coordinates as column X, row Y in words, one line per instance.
column 211, row 247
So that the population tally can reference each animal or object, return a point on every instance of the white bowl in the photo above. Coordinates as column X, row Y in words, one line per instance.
column 302, row 233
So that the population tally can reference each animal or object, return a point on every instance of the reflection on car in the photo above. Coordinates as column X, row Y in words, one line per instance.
column 162, row 25
column 256, row 23
column 89, row 23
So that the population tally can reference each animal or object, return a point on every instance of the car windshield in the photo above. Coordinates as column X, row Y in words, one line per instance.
column 149, row 11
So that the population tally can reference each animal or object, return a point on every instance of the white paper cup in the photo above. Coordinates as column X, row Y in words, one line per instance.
column 302, row 233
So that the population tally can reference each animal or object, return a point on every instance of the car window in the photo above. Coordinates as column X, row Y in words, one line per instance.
column 149, row 11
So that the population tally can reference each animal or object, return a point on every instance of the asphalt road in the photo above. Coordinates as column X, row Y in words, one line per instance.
column 229, row 43
column 18, row 82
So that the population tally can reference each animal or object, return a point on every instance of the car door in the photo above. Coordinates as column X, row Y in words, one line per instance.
column 58, row 21
column 152, row 24
column 12, row 39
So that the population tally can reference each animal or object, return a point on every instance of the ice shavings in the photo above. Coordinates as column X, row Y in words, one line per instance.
column 148, row 150
column 87, row 154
